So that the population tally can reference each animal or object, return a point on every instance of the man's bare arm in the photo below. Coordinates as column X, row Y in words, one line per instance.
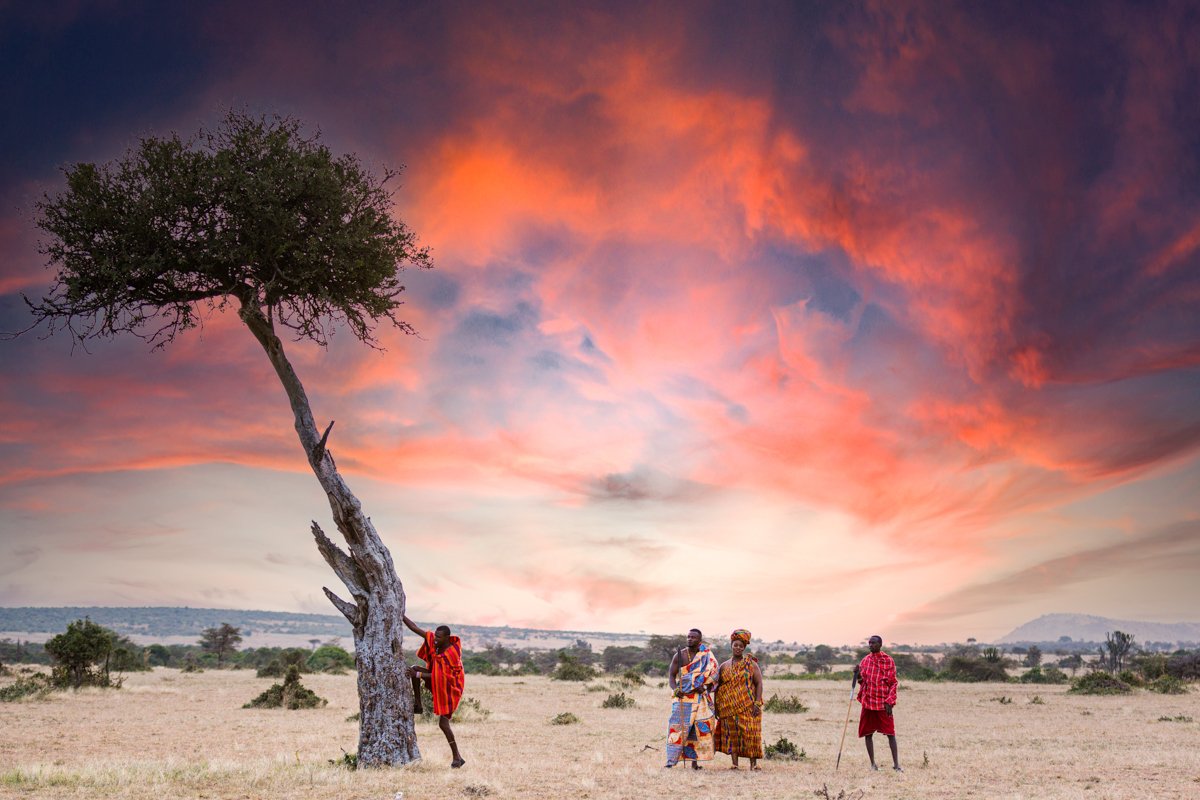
column 412, row 626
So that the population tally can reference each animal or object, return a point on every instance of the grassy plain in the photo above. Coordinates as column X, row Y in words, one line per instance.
column 168, row 734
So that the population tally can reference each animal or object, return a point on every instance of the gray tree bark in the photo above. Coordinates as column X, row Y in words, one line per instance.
column 386, row 734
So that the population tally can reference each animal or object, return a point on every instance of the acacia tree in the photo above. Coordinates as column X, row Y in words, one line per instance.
column 220, row 641
column 256, row 215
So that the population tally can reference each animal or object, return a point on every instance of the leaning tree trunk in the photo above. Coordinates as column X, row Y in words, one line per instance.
column 386, row 734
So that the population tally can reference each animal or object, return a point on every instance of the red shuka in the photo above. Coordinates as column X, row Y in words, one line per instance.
column 447, row 679
column 877, row 674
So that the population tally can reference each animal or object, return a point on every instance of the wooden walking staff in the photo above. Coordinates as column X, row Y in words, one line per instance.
column 853, row 681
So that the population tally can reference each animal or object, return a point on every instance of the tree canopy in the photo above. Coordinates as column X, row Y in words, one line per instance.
column 75, row 652
column 253, row 210
column 220, row 640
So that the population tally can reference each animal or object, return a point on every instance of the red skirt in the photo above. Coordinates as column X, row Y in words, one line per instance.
column 876, row 722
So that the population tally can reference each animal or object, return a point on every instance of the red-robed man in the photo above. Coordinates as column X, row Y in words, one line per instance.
column 876, row 675
column 443, row 673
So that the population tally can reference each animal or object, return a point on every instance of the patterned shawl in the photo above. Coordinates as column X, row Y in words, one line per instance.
column 700, row 671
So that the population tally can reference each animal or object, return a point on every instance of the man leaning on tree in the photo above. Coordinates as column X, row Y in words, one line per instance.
column 876, row 675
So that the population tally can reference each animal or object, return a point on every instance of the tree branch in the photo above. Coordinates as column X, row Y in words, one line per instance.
column 319, row 450
column 352, row 612
column 342, row 565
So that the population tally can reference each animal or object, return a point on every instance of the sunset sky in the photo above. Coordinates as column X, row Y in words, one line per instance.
column 818, row 319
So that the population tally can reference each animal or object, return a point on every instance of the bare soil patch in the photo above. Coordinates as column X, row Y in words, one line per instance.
column 167, row 734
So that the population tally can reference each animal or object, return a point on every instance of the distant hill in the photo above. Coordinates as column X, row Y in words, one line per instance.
column 268, row 628
column 1088, row 628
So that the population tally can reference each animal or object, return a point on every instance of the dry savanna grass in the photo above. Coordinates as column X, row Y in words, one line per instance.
column 168, row 734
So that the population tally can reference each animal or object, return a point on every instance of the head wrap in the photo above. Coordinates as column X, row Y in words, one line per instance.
column 742, row 635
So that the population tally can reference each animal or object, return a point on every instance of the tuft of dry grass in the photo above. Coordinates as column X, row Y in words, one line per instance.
column 173, row 735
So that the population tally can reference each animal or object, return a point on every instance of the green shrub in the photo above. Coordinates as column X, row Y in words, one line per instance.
column 783, row 750
column 785, row 705
column 36, row 685
column 569, row 669
column 617, row 659
column 348, row 760
column 619, row 700
column 159, row 655
column 1132, row 678
column 565, row 718
column 633, row 678
column 967, row 669
column 77, row 653
column 330, row 658
column 1099, row 683
column 1165, row 684
column 1150, row 666
column 292, row 657
column 290, row 694
column 1047, row 675
column 651, row 667
column 1179, row 718
column 272, row 669
column 910, row 669
column 478, row 665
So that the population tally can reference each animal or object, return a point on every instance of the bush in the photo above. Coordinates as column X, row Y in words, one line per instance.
column 1047, row 675
column 651, row 667
column 1132, row 678
column 1184, row 666
column 1150, row 666
column 478, row 665
column 910, row 669
column 617, row 659
column 123, row 659
column 159, row 655
column 569, row 669
column 633, row 678
column 289, row 694
column 618, row 701
column 36, row 685
column 785, row 705
column 278, row 667
column 329, row 658
column 1099, row 683
column 783, row 750
column 76, row 652
column 967, row 669
column 565, row 718
column 1168, row 685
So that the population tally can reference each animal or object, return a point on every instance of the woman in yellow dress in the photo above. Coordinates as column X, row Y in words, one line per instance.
column 739, row 704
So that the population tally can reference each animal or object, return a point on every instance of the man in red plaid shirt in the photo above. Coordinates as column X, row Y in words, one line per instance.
column 877, row 676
